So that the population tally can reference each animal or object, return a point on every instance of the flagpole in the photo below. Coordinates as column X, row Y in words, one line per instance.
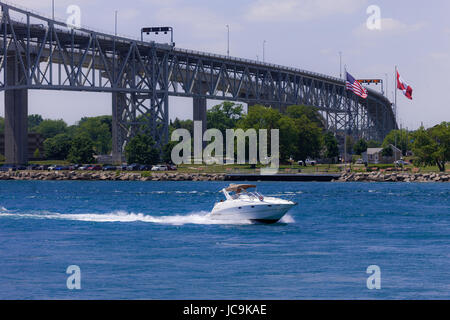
column 396, row 88
column 345, row 126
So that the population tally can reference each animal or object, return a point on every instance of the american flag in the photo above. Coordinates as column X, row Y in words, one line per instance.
column 355, row 86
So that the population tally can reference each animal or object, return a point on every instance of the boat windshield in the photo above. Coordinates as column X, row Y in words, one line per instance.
column 244, row 194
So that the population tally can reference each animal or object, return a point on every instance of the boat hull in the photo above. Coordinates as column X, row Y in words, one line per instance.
column 260, row 213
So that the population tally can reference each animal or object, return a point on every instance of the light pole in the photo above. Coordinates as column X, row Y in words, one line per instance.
column 53, row 9
column 228, row 40
column 387, row 89
column 264, row 51
column 115, row 23
column 340, row 64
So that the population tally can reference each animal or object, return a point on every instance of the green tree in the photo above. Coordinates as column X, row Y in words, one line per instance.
column 167, row 151
column 50, row 128
column 99, row 131
column 37, row 154
column 141, row 150
column 387, row 152
column 432, row 146
column 289, row 136
column 182, row 124
column 296, row 112
column 34, row 120
column 373, row 144
column 58, row 147
column 81, row 150
column 360, row 147
column 300, row 137
column 349, row 141
column 2, row 125
column 399, row 138
column 224, row 116
column 260, row 117
column 331, row 146
column 309, row 140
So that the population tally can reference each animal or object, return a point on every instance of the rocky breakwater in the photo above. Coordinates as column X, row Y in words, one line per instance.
column 394, row 177
column 108, row 176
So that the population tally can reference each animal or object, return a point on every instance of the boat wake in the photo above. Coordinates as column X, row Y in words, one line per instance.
column 198, row 218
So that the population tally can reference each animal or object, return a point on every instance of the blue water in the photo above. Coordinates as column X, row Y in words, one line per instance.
column 154, row 240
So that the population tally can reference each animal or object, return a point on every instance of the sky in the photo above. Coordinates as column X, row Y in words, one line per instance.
column 307, row 34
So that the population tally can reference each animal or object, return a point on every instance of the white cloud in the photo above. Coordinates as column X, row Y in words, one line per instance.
column 300, row 10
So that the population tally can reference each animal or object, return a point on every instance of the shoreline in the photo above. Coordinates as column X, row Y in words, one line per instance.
column 177, row 176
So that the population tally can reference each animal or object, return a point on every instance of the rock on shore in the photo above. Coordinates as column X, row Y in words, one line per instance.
column 394, row 177
column 109, row 176
column 178, row 176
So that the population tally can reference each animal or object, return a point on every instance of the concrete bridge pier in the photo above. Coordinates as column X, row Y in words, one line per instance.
column 200, row 107
column 118, row 99
column 16, row 116
column 200, row 111
column 199, row 104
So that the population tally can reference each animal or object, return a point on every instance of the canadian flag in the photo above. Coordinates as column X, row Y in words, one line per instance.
column 402, row 85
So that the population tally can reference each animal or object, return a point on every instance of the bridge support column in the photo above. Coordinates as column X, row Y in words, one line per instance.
column 200, row 106
column 200, row 111
column 16, row 117
column 117, row 139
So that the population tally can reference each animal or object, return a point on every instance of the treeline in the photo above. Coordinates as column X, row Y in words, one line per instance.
column 302, row 131
column 428, row 147
column 77, row 143
column 302, row 134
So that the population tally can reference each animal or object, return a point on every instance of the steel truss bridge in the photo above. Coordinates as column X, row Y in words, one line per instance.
column 40, row 53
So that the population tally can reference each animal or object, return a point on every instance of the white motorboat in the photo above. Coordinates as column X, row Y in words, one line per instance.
column 243, row 204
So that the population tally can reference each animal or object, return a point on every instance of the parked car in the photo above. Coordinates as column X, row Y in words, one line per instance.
column 172, row 167
column 145, row 168
column 311, row 162
column 61, row 168
column 33, row 167
column 359, row 161
column 74, row 166
column 159, row 168
column 8, row 167
column 401, row 162
column 42, row 167
column 133, row 167
column 300, row 163
column 94, row 168
column 109, row 168
column 83, row 167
